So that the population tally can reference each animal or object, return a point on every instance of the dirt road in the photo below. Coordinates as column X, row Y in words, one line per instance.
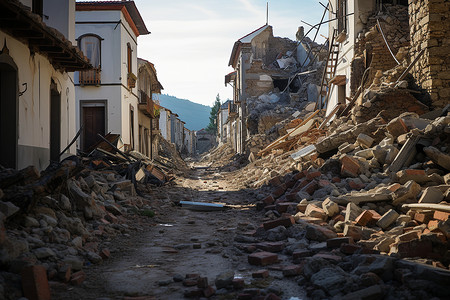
column 179, row 242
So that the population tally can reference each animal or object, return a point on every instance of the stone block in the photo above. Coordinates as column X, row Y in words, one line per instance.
column 352, row 211
column 330, row 207
column 364, row 140
column 35, row 283
column 364, row 218
column 349, row 249
column 284, row 221
column 355, row 232
column 315, row 212
column 349, row 166
column 431, row 195
column 387, row 219
column 262, row 258
column 337, row 242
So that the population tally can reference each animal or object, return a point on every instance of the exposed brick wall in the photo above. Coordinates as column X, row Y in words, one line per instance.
column 430, row 30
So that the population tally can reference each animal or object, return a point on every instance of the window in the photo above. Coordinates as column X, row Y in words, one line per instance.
column 38, row 7
column 129, row 58
column 90, row 45
column 342, row 15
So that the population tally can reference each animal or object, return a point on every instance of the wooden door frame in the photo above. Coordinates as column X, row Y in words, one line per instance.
column 92, row 103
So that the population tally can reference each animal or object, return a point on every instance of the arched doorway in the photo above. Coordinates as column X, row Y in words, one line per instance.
column 9, row 88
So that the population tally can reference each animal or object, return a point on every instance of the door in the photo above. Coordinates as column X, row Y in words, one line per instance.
column 94, row 123
column 8, row 115
column 55, row 123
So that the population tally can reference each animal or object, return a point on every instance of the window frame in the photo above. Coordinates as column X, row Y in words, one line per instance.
column 80, row 38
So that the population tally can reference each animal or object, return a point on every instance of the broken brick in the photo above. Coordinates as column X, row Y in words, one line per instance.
column 301, row 254
column 262, row 258
column 275, row 181
column 415, row 248
column 364, row 218
column 315, row 212
column 311, row 187
column 238, row 283
column 292, row 270
column 284, row 206
column 271, row 246
column 286, row 222
column 355, row 232
column 35, row 283
column 279, row 191
column 312, row 175
column 105, row 253
column 441, row 215
column 302, row 207
column 78, row 278
column 260, row 274
column 269, row 200
column 209, row 291
column 433, row 225
column 337, row 242
column 349, row 166
column 424, row 216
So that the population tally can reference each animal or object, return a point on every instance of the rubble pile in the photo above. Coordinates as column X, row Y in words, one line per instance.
column 378, row 187
column 55, row 222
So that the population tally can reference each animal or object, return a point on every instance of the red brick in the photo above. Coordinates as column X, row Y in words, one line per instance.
column 350, row 166
column 286, row 222
column 292, row 196
column 275, row 181
column 440, row 215
column 311, row 187
column 283, row 207
column 349, row 249
column 290, row 183
column 238, row 283
column 292, row 270
column 105, row 253
column 423, row 217
column 279, row 191
column 193, row 293
column 271, row 246
column 338, row 218
column 35, row 284
column 261, row 274
column 269, row 200
column 78, row 278
column 262, row 258
column 336, row 179
column 270, row 207
column 376, row 216
column 337, row 242
column 415, row 172
column 65, row 273
column 323, row 183
column 312, row 175
column 364, row 218
column 190, row 281
column 209, row 291
column 298, row 175
column 415, row 248
column 433, row 225
column 355, row 185
column 301, row 254
column 301, row 184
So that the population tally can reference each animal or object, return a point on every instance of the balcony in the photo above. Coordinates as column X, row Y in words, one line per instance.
column 146, row 105
column 90, row 77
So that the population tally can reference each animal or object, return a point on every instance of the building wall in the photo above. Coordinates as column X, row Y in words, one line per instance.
column 429, row 30
column 114, row 71
column 34, row 105
column 61, row 15
column 163, row 123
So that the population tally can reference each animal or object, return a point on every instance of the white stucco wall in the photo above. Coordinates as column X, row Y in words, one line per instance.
column 34, row 105
column 114, row 71
column 163, row 117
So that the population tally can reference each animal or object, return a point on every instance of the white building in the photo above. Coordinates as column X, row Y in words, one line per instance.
column 164, row 123
column 223, row 133
column 36, row 81
column 106, row 97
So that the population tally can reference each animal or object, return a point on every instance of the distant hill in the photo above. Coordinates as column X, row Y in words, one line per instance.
column 195, row 115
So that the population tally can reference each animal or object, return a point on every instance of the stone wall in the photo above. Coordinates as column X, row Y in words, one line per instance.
column 370, row 48
column 430, row 30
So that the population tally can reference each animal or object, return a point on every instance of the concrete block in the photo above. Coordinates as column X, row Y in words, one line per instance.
column 431, row 195
column 387, row 219
column 330, row 207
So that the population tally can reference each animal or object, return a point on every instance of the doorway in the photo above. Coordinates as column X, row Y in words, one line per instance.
column 93, row 116
column 8, row 111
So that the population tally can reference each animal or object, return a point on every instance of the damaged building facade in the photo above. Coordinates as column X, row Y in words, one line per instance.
column 256, row 72
column 382, row 43
column 107, row 96
column 37, row 60
column 148, row 117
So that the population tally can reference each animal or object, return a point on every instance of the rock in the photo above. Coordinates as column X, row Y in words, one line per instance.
column 65, row 203
column 364, row 140
column 355, row 232
column 331, row 279
column 418, row 176
column 75, row 262
column 319, row 233
column 49, row 220
column 44, row 253
column 224, row 279
column 8, row 208
column 431, row 195
column 78, row 242
column 330, row 208
column 30, row 222
column 384, row 245
column 387, row 219
column 94, row 257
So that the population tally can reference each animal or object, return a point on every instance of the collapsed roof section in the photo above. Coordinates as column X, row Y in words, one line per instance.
column 18, row 21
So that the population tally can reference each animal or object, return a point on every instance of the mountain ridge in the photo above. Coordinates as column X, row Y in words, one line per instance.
column 194, row 114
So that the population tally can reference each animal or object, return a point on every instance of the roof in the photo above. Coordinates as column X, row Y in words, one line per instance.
column 246, row 39
column 128, row 8
column 27, row 27
column 156, row 85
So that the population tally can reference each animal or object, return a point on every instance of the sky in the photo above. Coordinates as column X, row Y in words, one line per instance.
column 191, row 41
